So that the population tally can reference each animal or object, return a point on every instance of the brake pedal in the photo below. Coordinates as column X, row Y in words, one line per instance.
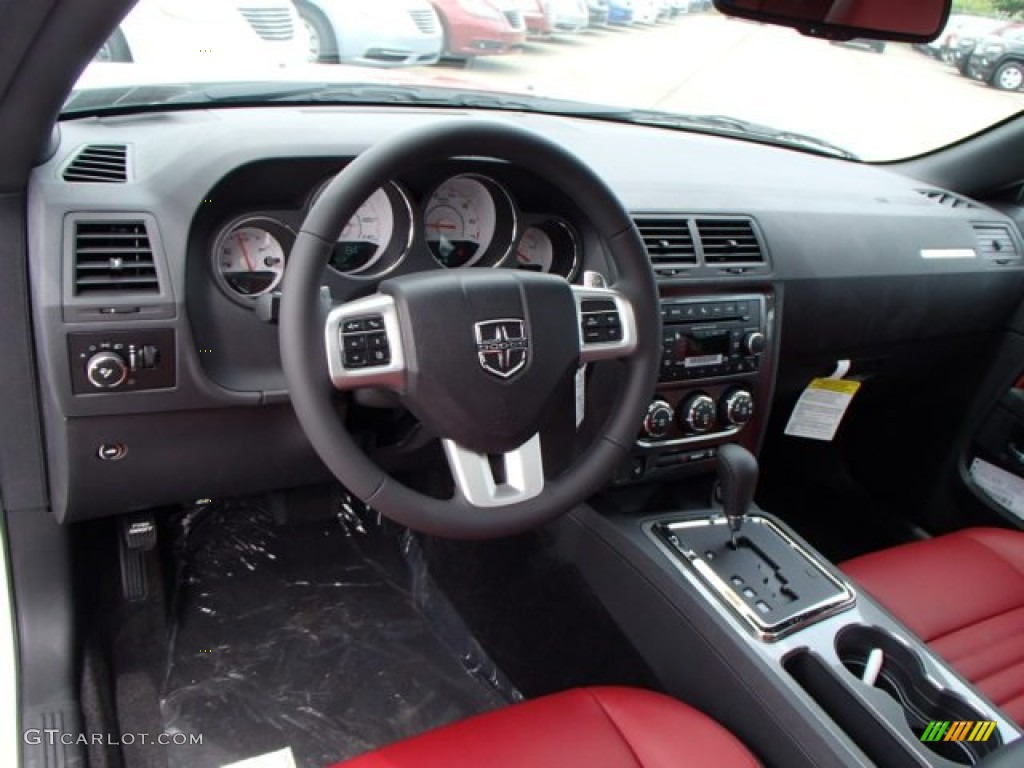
column 136, row 538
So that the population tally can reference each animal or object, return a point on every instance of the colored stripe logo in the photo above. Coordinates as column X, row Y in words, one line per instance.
column 959, row 730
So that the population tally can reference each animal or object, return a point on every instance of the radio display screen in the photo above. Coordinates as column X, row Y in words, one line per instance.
column 702, row 349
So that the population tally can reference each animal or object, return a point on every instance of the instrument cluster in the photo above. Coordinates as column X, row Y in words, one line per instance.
column 465, row 220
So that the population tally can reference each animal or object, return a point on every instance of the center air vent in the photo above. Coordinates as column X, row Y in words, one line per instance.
column 729, row 242
column 113, row 257
column 104, row 163
column 995, row 242
column 668, row 241
column 947, row 199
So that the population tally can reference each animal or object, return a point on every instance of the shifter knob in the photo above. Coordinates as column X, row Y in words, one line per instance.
column 737, row 474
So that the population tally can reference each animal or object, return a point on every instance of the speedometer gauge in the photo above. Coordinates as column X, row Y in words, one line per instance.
column 461, row 221
column 249, row 257
column 366, row 235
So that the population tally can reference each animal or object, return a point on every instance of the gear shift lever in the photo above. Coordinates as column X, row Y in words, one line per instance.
column 737, row 475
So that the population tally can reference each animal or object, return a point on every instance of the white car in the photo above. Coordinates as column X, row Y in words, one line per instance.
column 384, row 33
column 646, row 11
column 568, row 15
column 208, row 33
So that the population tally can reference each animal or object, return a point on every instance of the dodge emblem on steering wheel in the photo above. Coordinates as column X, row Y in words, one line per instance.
column 502, row 346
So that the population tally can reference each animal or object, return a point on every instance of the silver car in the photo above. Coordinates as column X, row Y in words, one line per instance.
column 383, row 33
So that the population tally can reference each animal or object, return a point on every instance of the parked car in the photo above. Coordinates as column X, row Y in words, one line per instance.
column 480, row 27
column 966, row 39
column 998, row 60
column 620, row 12
column 646, row 11
column 202, row 33
column 598, row 10
column 380, row 33
column 537, row 16
column 568, row 16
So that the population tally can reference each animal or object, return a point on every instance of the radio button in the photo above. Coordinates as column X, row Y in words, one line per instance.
column 754, row 343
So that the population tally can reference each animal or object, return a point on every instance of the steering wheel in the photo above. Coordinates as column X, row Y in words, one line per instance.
column 479, row 356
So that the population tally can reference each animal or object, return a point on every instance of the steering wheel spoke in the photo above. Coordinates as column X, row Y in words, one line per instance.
column 607, row 323
column 497, row 481
column 364, row 344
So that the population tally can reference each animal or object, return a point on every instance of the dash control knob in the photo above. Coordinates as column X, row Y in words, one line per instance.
column 754, row 343
column 658, row 419
column 106, row 370
column 737, row 408
column 697, row 414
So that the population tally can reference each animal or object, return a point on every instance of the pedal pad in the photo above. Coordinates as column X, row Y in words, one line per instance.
column 136, row 538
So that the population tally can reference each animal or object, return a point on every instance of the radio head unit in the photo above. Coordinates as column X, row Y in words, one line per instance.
column 705, row 338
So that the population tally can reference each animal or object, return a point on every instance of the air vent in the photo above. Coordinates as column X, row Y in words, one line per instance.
column 947, row 199
column 113, row 257
column 995, row 242
column 103, row 163
column 729, row 242
column 669, row 243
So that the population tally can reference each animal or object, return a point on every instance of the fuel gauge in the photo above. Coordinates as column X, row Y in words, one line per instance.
column 249, row 257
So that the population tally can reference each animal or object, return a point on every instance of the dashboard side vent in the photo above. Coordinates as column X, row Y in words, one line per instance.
column 730, row 242
column 103, row 163
column 113, row 257
column 669, row 243
column 995, row 242
column 947, row 199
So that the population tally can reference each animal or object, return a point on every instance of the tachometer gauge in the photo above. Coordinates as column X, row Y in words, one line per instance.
column 461, row 221
column 249, row 256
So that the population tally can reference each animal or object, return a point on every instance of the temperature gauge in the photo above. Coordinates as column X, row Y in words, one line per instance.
column 249, row 257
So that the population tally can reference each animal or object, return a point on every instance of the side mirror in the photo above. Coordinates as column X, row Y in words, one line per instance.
column 913, row 21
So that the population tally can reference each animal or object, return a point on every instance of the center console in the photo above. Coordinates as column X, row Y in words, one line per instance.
column 739, row 616
column 716, row 368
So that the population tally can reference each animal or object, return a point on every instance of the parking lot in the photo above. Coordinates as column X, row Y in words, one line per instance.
column 881, row 107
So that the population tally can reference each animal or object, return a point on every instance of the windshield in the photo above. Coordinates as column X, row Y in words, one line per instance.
column 673, row 63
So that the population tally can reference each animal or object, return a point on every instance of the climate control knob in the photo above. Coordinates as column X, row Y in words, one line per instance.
column 737, row 408
column 658, row 419
column 697, row 414
column 106, row 370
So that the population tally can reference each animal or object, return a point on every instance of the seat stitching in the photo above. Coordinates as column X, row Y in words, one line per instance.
column 998, row 554
column 973, row 623
column 1014, row 692
column 618, row 730
column 980, row 653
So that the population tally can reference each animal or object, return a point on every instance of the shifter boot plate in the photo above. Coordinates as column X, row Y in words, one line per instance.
column 778, row 584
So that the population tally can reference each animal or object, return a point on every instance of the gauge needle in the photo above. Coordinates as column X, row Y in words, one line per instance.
column 245, row 253
column 441, row 225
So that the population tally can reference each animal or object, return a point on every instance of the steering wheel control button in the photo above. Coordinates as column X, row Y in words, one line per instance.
column 111, row 451
column 364, row 343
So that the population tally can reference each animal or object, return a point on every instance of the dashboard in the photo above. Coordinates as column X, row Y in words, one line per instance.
column 153, row 286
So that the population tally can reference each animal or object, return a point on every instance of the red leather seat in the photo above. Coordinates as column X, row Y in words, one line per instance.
column 963, row 594
column 581, row 728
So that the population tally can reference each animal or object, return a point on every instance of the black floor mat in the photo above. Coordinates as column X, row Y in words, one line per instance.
column 304, row 636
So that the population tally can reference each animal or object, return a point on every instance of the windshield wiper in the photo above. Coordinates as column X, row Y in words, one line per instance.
column 722, row 125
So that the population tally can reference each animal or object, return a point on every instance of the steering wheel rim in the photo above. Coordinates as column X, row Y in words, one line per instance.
column 303, row 348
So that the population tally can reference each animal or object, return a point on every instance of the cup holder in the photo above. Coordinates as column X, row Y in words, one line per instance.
column 902, row 676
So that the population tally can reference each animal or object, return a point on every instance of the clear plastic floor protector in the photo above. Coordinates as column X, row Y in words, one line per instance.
column 325, row 637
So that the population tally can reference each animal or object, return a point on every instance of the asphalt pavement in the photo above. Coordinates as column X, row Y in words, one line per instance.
column 880, row 106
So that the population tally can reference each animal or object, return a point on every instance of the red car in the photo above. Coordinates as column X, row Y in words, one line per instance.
column 480, row 27
column 539, row 21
